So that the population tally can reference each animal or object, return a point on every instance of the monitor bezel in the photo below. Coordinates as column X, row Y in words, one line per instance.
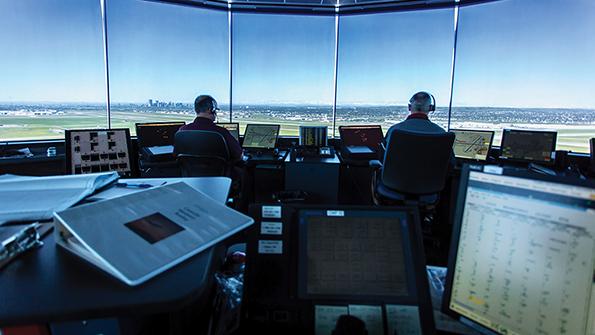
column 458, row 218
column 142, row 124
column 371, row 126
column 250, row 125
column 68, row 144
column 492, row 134
column 521, row 160
column 235, row 123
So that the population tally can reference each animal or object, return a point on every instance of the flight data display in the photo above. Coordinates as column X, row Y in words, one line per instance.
column 525, row 256
column 370, row 136
column 355, row 256
column 233, row 128
column 471, row 144
column 98, row 150
column 313, row 136
column 262, row 136
column 525, row 145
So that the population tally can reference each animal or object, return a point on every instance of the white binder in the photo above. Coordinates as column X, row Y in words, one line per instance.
column 140, row 235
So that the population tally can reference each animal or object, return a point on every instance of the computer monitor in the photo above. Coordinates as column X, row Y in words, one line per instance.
column 472, row 144
column 313, row 136
column 366, row 135
column 523, row 253
column 97, row 150
column 261, row 136
column 232, row 127
column 358, row 253
column 528, row 146
column 155, row 134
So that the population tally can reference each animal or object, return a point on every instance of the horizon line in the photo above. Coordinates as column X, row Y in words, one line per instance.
column 279, row 104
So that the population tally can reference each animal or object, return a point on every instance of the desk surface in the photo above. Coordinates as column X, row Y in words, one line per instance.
column 315, row 160
column 50, row 284
column 215, row 187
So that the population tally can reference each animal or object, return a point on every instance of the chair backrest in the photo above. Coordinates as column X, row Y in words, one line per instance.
column 417, row 163
column 202, row 153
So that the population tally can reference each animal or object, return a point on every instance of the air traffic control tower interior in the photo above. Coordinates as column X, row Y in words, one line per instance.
column 297, row 167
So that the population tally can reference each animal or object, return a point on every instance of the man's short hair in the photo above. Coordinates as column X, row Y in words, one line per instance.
column 422, row 102
column 205, row 104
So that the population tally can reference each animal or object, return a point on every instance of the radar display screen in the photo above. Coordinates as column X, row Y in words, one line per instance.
column 472, row 144
column 261, row 136
column 528, row 145
column 368, row 135
column 157, row 133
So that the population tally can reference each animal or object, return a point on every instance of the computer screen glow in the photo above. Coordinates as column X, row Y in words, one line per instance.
column 355, row 256
column 470, row 144
column 261, row 136
column 98, row 150
column 525, row 257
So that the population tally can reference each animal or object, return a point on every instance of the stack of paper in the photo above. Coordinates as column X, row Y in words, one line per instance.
column 37, row 198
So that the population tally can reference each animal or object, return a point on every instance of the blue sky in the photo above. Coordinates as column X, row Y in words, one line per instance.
column 51, row 51
column 526, row 53
column 520, row 53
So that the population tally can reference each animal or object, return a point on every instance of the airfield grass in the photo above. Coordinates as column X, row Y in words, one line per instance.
column 52, row 127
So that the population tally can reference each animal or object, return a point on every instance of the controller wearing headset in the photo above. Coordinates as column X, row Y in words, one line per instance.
column 428, row 103
column 206, row 104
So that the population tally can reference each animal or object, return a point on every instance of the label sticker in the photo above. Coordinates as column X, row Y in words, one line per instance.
column 271, row 212
column 335, row 213
column 270, row 247
column 271, row 228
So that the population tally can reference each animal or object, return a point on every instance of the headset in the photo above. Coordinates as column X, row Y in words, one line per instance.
column 206, row 103
column 431, row 107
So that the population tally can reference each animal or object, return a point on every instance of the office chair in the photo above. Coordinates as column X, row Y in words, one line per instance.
column 202, row 153
column 414, row 173
column 414, row 168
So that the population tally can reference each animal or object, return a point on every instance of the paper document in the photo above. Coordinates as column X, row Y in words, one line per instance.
column 161, row 150
column 371, row 315
column 25, row 198
column 403, row 320
column 138, row 236
column 326, row 318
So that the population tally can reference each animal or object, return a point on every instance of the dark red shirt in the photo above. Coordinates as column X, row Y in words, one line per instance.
column 202, row 123
column 422, row 116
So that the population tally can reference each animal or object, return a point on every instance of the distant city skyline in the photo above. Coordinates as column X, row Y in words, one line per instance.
column 508, row 61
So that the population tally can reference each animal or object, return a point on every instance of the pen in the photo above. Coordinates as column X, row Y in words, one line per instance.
column 134, row 185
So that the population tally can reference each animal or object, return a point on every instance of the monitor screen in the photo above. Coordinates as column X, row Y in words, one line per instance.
column 261, row 136
column 157, row 133
column 528, row 145
column 523, row 254
column 355, row 253
column 313, row 136
column 232, row 127
column 472, row 144
column 369, row 135
column 98, row 150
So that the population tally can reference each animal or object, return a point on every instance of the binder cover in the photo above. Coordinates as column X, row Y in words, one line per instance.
column 140, row 235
